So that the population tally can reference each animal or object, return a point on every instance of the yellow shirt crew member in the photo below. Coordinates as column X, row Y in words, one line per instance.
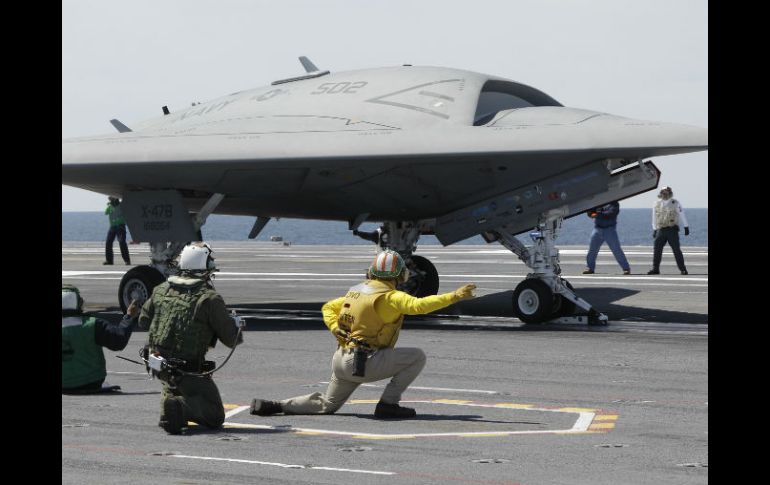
column 367, row 322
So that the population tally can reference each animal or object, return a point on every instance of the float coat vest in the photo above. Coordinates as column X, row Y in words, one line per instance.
column 174, row 330
column 360, row 319
column 82, row 359
column 666, row 213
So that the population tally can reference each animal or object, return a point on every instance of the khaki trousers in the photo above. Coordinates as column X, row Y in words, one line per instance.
column 402, row 364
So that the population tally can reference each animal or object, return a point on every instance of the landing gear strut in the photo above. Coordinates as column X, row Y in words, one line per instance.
column 402, row 237
column 544, row 295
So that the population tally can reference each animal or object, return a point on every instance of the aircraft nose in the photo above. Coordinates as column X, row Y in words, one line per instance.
column 632, row 132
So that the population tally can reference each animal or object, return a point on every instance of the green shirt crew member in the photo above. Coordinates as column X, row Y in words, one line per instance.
column 83, row 367
column 117, row 229
column 186, row 316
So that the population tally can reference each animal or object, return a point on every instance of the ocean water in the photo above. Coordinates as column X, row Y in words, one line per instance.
column 634, row 229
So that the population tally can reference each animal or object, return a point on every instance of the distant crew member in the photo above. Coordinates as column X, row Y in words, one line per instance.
column 186, row 316
column 83, row 368
column 667, row 216
column 117, row 228
column 366, row 323
column 605, row 221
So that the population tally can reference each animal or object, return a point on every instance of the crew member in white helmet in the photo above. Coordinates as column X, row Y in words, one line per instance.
column 667, row 216
column 186, row 317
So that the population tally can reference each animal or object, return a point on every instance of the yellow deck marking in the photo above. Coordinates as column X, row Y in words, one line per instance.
column 514, row 406
column 606, row 417
column 589, row 421
column 595, row 426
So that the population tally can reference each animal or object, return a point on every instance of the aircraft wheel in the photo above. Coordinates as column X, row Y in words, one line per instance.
column 562, row 307
column 137, row 284
column 423, row 280
column 533, row 301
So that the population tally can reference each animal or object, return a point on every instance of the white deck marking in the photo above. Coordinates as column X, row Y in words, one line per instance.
column 283, row 465
column 235, row 411
column 585, row 417
column 443, row 389
column 359, row 275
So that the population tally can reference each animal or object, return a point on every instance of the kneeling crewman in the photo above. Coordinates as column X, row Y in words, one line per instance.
column 366, row 322
column 186, row 316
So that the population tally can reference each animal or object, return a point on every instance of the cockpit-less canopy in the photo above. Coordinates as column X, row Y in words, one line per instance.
column 423, row 150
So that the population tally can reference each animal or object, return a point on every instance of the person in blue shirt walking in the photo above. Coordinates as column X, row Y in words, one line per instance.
column 605, row 220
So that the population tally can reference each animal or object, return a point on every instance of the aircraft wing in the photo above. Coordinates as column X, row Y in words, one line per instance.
column 386, row 144
column 383, row 171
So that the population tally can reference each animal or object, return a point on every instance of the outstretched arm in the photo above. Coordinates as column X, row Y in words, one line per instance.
column 410, row 305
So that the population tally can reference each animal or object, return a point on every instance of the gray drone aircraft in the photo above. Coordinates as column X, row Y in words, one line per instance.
column 422, row 150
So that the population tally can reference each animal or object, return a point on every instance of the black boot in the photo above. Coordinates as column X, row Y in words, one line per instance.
column 263, row 407
column 385, row 410
column 173, row 416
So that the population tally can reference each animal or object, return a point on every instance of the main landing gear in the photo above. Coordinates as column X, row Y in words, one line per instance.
column 544, row 296
column 402, row 237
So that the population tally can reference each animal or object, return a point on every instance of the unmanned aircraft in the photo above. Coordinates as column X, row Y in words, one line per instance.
column 421, row 150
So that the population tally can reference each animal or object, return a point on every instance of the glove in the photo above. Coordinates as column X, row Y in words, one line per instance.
column 341, row 333
column 465, row 292
column 133, row 309
column 239, row 321
column 654, row 234
column 686, row 231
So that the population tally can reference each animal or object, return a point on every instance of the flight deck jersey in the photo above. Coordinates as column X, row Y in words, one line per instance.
column 82, row 359
column 175, row 328
column 668, row 213
column 360, row 319
column 387, row 303
column 115, row 213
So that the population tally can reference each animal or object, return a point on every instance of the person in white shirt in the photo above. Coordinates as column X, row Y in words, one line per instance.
column 667, row 216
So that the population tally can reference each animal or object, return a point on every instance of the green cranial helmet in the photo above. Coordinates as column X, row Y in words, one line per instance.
column 387, row 264
column 71, row 300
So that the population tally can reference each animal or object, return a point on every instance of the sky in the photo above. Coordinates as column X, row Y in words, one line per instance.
column 639, row 59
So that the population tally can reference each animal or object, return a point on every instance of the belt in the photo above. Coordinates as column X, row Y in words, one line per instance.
column 353, row 349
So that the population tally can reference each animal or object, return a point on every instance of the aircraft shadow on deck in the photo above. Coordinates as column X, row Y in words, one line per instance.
column 306, row 315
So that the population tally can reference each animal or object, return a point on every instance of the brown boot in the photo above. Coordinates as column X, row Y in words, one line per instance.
column 173, row 416
column 263, row 407
column 386, row 411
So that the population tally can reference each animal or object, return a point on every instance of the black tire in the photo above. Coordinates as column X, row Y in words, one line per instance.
column 563, row 307
column 138, row 284
column 423, row 280
column 533, row 301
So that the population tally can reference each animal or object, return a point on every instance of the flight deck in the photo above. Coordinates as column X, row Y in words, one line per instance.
column 499, row 401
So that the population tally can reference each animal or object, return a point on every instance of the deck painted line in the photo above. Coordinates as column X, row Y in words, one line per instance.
column 235, row 411
column 359, row 275
column 441, row 389
column 283, row 465
column 583, row 424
